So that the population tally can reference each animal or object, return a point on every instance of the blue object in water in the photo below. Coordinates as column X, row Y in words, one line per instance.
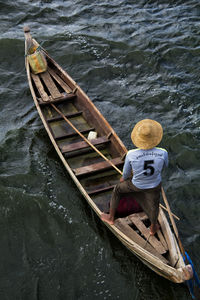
column 194, row 283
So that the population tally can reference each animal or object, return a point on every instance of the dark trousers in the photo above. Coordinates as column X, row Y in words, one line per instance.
column 147, row 198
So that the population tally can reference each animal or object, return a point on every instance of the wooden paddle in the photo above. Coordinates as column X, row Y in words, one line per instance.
column 93, row 147
column 194, row 283
column 172, row 220
column 84, row 138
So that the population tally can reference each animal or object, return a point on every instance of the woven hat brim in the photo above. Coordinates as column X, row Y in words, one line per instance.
column 147, row 143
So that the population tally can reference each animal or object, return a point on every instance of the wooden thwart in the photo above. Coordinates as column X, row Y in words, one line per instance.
column 58, row 118
column 83, row 145
column 71, row 134
column 61, row 99
column 101, row 166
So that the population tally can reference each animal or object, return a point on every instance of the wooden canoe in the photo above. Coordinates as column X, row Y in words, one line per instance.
column 58, row 99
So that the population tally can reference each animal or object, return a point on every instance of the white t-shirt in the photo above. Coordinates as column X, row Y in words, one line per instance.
column 146, row 165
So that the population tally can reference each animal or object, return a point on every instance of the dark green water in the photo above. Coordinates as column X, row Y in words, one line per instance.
column 135, row 59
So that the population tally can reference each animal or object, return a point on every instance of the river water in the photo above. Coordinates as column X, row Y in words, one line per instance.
column 135, row 60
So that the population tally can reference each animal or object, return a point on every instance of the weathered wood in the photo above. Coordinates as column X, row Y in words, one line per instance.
column 104, row 165
column 134, row 242
column 180, row 261
column 58, row 118
column 40, row 87
column 144, row 217
column 83, row 145
column 140, row 215
column 173, row 223
column 63, row 84
column 46, row 77
column 162, row 239
column 71, row 134
column 169, row 238
column 101, row 125
column 128, row 231
column 104, row 189
column 91, row 145
column 61, row 99
column 146, row 232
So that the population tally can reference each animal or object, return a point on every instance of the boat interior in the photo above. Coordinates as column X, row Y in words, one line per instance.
column 95, row 174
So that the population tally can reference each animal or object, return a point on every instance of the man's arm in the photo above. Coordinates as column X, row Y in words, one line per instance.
column 127, row 169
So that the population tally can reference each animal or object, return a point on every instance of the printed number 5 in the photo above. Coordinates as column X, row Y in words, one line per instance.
column 147, row 165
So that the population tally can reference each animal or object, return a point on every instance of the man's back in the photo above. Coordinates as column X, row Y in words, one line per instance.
column 146, row 165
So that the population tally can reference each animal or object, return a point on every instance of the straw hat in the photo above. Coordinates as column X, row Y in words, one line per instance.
column 147, row 134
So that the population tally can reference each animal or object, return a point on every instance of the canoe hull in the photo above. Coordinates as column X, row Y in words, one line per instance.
column 155, row 262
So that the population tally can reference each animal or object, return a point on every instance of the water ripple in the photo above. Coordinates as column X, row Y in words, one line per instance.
column 135, row 59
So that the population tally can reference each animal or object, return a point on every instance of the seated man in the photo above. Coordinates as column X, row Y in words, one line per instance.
column 142, row 172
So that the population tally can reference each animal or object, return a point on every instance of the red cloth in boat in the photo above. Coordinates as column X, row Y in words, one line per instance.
column 127, row 206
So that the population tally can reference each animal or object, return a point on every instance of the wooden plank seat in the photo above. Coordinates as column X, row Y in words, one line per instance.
column 74, row 133
column 58, row 118
column 61, row 99
column 101, row 166
column 83, row 145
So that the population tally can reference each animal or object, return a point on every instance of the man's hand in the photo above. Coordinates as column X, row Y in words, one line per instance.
column 121, row 179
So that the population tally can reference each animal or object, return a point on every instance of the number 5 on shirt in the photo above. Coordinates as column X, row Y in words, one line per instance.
column 148, row 167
